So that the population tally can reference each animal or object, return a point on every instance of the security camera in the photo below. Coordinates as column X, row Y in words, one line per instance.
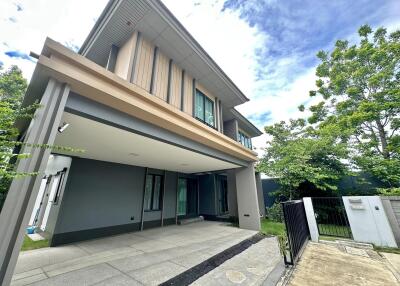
column 63, row 127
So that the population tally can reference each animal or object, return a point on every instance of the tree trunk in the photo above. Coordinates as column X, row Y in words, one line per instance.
column 382, row 137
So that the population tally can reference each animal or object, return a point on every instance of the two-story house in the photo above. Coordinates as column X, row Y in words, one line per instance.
column 155, row 117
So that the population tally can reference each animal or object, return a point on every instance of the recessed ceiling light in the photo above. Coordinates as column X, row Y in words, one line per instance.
column 133, row 154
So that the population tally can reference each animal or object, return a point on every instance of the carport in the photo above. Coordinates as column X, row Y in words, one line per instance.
column 129, row 176
column 149, row 257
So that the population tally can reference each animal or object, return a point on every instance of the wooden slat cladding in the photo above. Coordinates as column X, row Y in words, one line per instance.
column 144, row 64
column 142, row 72
column 188, row 94
column 161, row 76
column 123, row 63
column 200, row 87
column 175, row 86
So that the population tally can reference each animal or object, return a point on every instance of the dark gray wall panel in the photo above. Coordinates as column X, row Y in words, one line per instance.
column 100, row 194
column 170, row 195
column 207, row 195
column 231, row 128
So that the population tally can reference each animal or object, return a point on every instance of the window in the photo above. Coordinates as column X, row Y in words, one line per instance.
column 204, row 108
column 244, row 140
column 152, row 193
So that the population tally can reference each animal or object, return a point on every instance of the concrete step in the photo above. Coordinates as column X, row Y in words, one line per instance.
column 190, row 220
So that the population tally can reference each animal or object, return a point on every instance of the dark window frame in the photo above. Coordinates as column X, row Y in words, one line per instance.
column 160, row 197
column 245, row 140
column 205, row 98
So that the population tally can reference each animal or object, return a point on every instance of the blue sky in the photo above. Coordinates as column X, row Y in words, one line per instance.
column 267, row 47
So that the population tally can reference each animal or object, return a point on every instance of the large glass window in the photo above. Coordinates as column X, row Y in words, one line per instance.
column 182, row 196
column 199, row 105
column 152, row 193
column 244, row 140
column 204, row 108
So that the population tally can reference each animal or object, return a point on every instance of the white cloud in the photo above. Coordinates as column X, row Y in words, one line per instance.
column 229, row 40
column 64, row 21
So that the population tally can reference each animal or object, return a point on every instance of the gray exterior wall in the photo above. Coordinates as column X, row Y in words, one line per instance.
column 231, row 129
column 100, row 194
column 171, row 182
column 232, row 196
column 103, row 198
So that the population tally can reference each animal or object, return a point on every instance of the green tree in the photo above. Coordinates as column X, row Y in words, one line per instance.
column 12, row 91
column 298, row 154
column 359, row 86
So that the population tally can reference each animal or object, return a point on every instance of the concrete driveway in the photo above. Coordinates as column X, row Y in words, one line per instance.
column 139, row 258
column 335, row 264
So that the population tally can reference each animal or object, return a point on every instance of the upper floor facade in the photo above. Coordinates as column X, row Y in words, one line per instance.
column 144, row 44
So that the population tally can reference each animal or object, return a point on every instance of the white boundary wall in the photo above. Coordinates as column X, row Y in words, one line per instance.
column 312, row 223
column 368, row 220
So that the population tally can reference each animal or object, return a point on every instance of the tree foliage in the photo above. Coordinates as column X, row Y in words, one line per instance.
column 298, row 153
column 12, row 91
column 355, row 124
column 359, row 86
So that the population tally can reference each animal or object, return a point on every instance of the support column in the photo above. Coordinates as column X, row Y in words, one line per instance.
column 23, row 191
column 260, row 194
column 249, row 214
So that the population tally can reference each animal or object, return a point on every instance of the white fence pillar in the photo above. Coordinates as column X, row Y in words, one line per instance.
column 312, row 222
column 368, row 221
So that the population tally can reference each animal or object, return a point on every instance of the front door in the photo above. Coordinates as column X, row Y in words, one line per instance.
column 187, row 198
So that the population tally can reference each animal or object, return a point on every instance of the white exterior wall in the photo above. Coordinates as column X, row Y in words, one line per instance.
column 312, row 222
column 368, row 220
column 247, row 199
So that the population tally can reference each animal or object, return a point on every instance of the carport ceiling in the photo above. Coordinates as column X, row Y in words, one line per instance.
column 107, row 143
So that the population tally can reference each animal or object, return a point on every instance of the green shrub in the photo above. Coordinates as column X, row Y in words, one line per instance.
column 283, row 243
column 389, row 192
column 275, row 212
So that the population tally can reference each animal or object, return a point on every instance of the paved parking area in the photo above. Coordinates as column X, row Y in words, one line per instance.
column 329, row 264
column 251, row 267
column 139, row 258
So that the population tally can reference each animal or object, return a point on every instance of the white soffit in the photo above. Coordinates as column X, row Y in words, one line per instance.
column 106, row 143
column 153, row 20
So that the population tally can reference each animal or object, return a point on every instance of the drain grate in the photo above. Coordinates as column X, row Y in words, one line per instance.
column 194, row 273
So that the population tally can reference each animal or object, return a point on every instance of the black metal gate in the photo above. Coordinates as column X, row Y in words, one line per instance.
column 296, row 228
column 331, row 217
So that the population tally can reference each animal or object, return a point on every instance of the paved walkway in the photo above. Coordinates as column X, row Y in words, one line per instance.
column 329, row 264
column 251, row 267
column 140, row 258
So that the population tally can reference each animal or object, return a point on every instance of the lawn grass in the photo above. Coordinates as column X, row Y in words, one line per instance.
column 387, row 249
column 29, row 244
column 330, row 238
column 334, row 230
column 270, row 227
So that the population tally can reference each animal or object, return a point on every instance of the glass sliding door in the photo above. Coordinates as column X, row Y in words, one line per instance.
column 182, row 197
column 187, row 198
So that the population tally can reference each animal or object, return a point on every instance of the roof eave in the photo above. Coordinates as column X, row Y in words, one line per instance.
column 158, row 6
column 247, row 122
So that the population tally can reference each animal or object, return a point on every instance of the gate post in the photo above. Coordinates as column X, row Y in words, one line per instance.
column 312, row 222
